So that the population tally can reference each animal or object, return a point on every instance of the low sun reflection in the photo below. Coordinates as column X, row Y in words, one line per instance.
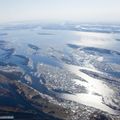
column 97, row 91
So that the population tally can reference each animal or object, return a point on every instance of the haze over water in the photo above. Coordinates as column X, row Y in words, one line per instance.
column 60, row 59
column 92, row 56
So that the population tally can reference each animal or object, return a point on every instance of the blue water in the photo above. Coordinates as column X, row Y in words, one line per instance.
column 92, row 55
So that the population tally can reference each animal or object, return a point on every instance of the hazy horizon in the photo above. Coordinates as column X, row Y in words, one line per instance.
column 104, row 11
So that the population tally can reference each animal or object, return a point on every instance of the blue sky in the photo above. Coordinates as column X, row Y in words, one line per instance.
column 60, row 10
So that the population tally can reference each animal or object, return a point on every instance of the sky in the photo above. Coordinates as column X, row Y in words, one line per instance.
column 60, row 10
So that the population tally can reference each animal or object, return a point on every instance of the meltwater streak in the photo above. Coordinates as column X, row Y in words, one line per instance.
column 104, row 93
